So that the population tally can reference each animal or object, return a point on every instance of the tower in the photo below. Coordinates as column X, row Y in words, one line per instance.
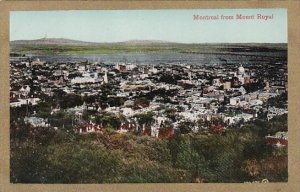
column 105, row 78
column 241, row 70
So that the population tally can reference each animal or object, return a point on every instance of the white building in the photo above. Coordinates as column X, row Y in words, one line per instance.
column 105, row 78
column 28, row 101
column 37, row 122
column 234, row 101
column 86, row 78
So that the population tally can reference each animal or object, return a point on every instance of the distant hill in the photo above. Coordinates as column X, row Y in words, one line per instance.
column 62, row 41
column 50, row 41
column 145, row 42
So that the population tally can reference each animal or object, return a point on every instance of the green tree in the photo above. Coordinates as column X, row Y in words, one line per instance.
column 186, row 127
column 109, row 120
column 145, row 118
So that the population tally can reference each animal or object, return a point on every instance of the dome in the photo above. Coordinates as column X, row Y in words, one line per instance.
column 241, row 70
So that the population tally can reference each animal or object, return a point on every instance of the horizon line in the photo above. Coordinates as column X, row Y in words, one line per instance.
column 154, row 40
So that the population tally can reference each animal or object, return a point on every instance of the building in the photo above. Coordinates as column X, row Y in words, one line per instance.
column 279, row 139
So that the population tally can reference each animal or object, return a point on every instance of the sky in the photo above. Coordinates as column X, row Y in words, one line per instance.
column 164, row 25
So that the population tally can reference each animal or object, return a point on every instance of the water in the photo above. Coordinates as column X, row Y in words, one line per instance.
column 154, row 58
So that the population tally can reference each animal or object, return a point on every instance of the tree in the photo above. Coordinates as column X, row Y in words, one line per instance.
column 28, row 163
column 115, row 101
column 69, row 101
column 142, row 101
column 186, row 127
column 109, row 120
column 145, row 118
column 83, row 163
column 171, row 113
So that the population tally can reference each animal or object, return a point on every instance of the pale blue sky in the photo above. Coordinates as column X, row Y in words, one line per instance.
column 166, row 25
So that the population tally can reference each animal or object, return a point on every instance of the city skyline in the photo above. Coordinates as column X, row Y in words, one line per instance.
column 164, row 25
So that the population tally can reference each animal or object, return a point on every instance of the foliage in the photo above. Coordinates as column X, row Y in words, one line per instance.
column 108, row 120
column 145, row 118
column 279, row 101
column 42, row 155
column 70, row 101
column 142, row 101
column 186, row 127
column 29, row 163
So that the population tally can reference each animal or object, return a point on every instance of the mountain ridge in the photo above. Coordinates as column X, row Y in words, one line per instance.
column 49, row 41
column 64, row 41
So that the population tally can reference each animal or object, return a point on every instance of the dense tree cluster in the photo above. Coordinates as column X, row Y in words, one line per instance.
column 43, row 155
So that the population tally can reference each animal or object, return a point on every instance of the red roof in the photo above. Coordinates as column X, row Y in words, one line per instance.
column 147, row 132
column 128, row 126
column 216, row 128
column 166, row 132
column 89, row 128
column 274, row 141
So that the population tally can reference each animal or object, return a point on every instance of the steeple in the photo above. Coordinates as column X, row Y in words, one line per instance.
column 105, row 78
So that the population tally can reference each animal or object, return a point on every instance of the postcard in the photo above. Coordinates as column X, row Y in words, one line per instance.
column 124, row 98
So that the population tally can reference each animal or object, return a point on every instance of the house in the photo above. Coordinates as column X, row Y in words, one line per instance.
column 37, row 61
column 234, row 101
column 279, row 139
column 19, row 102
column 37, row 122
column 216, row 128
column 147, row 131
column 89, row 128
column 150, row 131
column 227, row 85
column 127, row 112
column 273, row 112
column 166, row 132
column 127, row 127
column 242, row 90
